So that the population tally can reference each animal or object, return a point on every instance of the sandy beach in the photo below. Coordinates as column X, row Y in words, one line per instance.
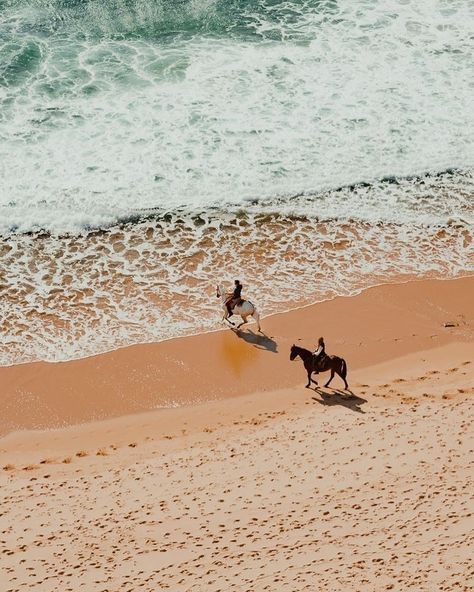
column 313, row 159
column 253, row 482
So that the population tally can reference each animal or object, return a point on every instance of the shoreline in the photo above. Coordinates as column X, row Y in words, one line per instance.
column 44, row 395
column 158, row 283
column 292, row 308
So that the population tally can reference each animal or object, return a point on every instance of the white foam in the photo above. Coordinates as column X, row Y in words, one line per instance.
column 324, row 98
column 74, row 296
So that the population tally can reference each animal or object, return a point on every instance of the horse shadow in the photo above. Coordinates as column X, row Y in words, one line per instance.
column 345, row 398
column 260, row 341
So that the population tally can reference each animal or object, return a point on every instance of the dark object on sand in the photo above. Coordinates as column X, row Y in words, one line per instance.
column 333, row 363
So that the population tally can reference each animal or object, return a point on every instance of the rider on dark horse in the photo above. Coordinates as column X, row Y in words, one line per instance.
column 236, row 297
column 319, row 354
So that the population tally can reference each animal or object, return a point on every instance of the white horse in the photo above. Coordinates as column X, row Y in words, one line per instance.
column 244, row 310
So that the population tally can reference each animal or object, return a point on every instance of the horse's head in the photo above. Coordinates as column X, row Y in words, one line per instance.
column 293, row 352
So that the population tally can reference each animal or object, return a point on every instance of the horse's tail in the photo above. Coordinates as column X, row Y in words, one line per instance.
column 343, row 368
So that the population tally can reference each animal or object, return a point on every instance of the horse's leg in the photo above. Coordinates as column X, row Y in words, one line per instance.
column 256, row 316
column 339, row 373
column 309, row 379
column 343, row 373
column 330, row 378
column 244, row 320
column 226, row 317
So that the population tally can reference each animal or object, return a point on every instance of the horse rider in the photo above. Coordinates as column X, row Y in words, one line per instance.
column 319, row 354
column 235, row 298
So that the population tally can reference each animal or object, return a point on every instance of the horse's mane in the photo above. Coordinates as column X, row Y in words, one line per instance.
column 301, row 348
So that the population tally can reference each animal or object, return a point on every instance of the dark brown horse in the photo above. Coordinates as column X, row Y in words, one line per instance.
column 334, row 363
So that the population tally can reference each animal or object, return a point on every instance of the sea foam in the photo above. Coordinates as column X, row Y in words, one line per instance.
column 205, row 105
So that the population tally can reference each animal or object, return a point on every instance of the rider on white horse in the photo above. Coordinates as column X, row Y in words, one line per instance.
column 233, row 304
column 235, row 298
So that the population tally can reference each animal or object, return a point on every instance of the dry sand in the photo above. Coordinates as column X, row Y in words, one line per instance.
column 280, row 489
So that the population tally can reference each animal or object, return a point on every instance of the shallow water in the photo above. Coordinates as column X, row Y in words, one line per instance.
column 72, row 296
column 106, row 107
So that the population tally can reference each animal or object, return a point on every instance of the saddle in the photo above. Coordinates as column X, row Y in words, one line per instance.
column 233, row 302
column 318, row 362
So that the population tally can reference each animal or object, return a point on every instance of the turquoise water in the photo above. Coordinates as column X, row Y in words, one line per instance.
column 109, row 107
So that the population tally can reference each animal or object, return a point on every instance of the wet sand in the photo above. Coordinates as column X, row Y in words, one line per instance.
column 381, row 323
column 268, row 486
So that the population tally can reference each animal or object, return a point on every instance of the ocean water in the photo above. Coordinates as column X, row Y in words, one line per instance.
column 151, row 148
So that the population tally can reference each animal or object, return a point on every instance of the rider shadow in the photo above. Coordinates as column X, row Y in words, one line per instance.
column 337, row 397
column 261, row 341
